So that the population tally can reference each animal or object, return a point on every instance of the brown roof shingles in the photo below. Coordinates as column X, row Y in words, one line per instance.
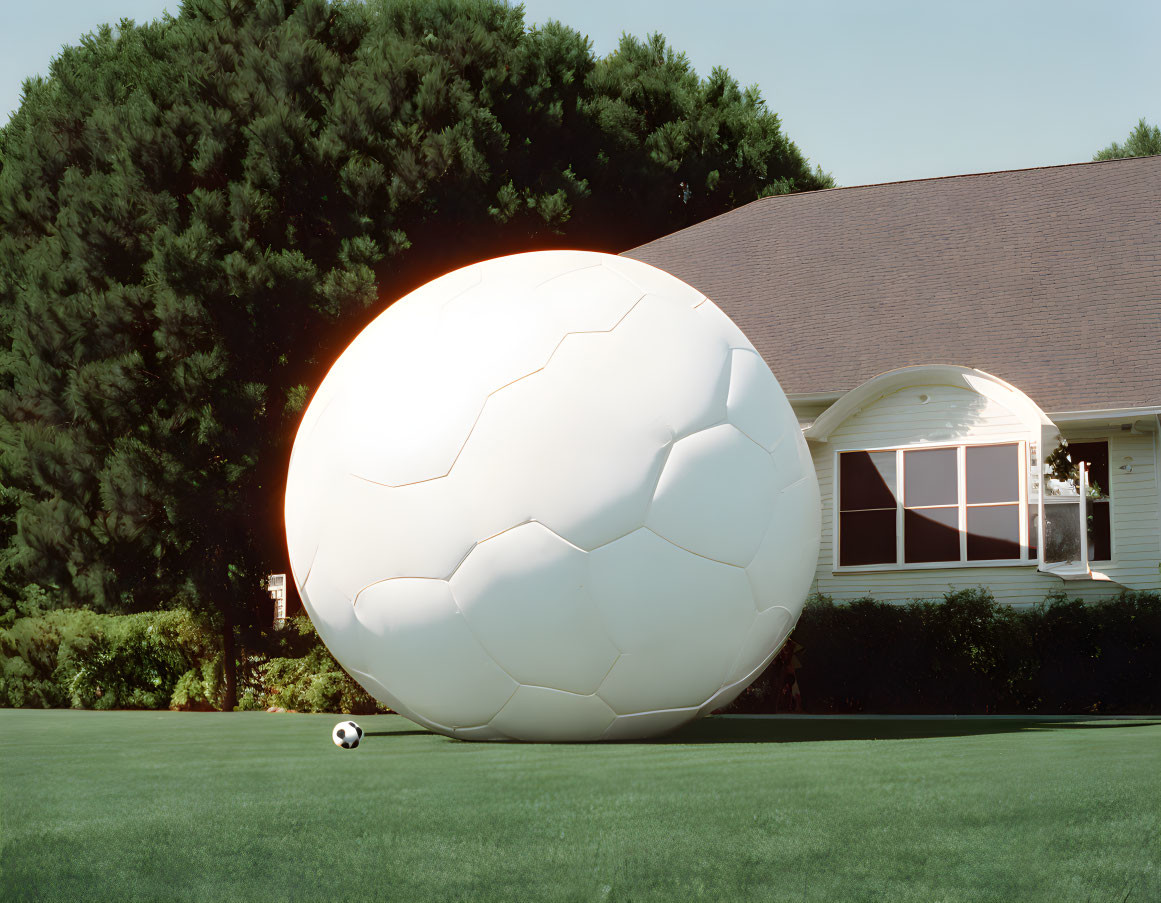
column 1049, row 278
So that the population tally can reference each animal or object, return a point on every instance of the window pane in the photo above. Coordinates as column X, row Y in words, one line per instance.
column 929, row 478
column 993, row 532
column 1100, row 534
column 867, row 537
column 993, row 473
column 1033, row 531
column 1061, row 532
column 867, row 480
column 1096, row 455
column 931, row 534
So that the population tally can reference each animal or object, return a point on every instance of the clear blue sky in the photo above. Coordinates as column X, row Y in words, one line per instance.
column 874, row 91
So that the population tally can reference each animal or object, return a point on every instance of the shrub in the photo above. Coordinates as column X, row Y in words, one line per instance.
column 968, row 654
column 78, row 658
column 313, row 682
column 83, row 659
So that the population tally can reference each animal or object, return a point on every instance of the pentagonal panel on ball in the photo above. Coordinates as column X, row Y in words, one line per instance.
column 376, row 532
column 677, row 618
column 672, row 363
column 541, row 713
column 715, row 495
column 783, row 567
column 525, row 595
column 756, row 403
column 563, row 448
column 462, row 342
column 426, row 655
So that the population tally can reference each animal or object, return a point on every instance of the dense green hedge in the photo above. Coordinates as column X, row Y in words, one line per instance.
column 963, row 654
column 967, row 654
column 81, row 659
column 165, row 659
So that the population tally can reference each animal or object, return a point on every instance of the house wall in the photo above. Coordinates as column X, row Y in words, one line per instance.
column 957, row 414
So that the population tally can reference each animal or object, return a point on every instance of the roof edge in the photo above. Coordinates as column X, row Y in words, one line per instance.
column 868, row 185
column 959, row 175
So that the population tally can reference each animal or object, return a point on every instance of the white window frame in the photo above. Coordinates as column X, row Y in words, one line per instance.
column 961, row 446
column 1108, row 498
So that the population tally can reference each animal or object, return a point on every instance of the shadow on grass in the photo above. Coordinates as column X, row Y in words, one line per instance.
column 776, row 730
column 742, row 730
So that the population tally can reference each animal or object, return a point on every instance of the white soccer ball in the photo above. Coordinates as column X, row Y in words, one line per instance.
column 347, row 734
column 552, row 496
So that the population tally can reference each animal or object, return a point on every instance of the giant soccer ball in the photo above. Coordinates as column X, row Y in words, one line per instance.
column 553, row 496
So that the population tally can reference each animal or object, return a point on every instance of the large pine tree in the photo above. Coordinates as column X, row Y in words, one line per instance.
column 198, row 214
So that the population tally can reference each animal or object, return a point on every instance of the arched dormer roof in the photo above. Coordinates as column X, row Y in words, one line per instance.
column 977, row 381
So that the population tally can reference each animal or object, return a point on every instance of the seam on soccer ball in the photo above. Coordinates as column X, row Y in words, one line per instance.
column 355, row 601
column 665, row 461
column 491, row 655
column 309, row 568
column 770, row 524
column 475, row 636
column 511, row 695
column 463, row 445
column 488, row 397
column 627, row 278
column 597, row 691
column 770, row 451
column 580, row 269
column 803, row 479
column 479, row 281
column 742, row 645
column 752, row 675
column 691, row 551
column 692, row 709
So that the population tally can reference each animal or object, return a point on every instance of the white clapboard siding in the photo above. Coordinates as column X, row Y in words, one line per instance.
column 953, row 414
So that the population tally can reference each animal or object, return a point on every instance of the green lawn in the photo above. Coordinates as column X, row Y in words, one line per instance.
column 252, row 807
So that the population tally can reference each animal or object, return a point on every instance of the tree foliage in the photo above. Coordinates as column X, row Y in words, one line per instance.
column 197, row 215
column 1143, row 141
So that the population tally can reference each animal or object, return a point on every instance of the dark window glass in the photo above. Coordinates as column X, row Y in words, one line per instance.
column 1062, row 532
column 929, row 478
column 867, row 537
column 993, row 532
column 866, row 480
column 1100, row 534
column 931, row 534
column 1063, row 543
column 1033, row 531
column 993, row 473
column 1096, row 455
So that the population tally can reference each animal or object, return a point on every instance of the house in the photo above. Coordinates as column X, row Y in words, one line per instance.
column 976, row 364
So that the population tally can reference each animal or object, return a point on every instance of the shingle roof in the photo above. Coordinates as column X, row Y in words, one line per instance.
column 1049, row 278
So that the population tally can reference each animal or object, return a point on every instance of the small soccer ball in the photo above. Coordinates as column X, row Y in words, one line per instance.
column 553, row 496
column 347, row 734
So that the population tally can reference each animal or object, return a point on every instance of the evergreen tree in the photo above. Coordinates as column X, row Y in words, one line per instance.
column 1143, row 141
column 197, row 215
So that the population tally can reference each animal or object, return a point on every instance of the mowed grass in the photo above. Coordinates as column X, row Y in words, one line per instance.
column 254, row 806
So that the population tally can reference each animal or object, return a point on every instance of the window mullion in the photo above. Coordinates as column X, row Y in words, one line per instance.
column 1022, row 500
column 961, row 488
column 899, row 490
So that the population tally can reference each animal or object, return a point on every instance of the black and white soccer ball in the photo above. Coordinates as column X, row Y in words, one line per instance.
column 347, row 734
